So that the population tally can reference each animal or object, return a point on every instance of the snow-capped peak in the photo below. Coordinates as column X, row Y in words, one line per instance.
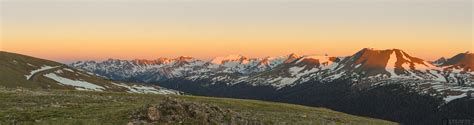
column 391, row 62
column 229, row 58
column 272, row 61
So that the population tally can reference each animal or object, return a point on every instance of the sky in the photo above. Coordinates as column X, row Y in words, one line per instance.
column 71, row 30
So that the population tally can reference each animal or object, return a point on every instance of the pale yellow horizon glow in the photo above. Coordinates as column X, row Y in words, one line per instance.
column 70, row 31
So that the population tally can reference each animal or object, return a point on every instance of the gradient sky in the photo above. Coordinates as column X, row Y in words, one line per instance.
column 68, row 30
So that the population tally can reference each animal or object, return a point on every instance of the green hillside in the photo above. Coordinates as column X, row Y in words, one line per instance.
column 21, row 71
column 83, row 107
column 14, row 67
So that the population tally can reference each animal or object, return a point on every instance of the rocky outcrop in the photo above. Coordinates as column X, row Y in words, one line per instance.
column 172, row 110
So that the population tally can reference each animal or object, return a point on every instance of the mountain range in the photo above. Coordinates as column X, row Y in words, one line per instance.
column 362, row 68
column 366, row 79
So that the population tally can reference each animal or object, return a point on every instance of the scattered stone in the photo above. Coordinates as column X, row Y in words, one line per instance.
column 153, row 114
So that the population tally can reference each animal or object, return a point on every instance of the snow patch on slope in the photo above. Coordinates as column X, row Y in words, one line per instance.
column 296, row 74
column 79, row 85
column 43, row 68
column 451, row 98
column 67, row 69
column 391, row 65
column 295, row 70
column 30, row 64
column 149, row 89
column 145, row 89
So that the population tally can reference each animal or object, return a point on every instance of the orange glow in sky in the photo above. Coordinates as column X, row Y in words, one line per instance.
column 87, row 30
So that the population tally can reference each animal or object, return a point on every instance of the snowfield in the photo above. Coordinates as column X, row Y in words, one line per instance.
column 145, row 89
column 451, row 98
column 391, row 65
column 84, row 85
column 79, row 85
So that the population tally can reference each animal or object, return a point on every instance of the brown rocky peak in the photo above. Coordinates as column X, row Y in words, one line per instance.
column 265, row 61
column 183, row 58
column 462, row 60
column 375, row 61
column 292, row 57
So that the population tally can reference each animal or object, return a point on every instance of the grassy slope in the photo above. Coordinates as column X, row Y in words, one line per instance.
column 81, row 107
column 14, row 67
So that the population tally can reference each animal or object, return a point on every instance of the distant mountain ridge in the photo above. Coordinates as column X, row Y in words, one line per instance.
column 364, row 68
column 165, row 68
column 365, row 63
